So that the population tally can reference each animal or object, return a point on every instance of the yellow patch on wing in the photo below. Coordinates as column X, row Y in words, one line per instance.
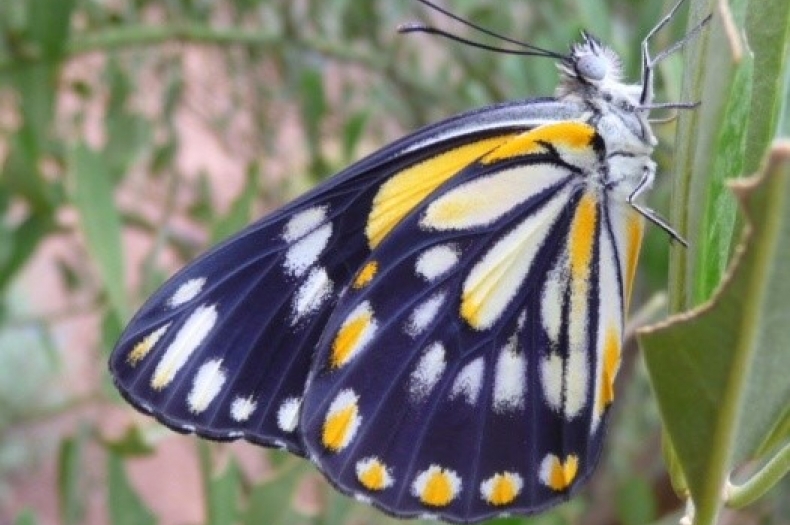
column 582, row 237
column 142, row 348
column 635, row 225
column 501, row 489
column 342, row 421
column 437, row 487
column 353, row 335
column 373, row 474
column 365, row 275
column 611, row 363
column 557, row 474
column 574, row 136
column 404, row 191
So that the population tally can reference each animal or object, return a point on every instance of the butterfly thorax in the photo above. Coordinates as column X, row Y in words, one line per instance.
column 591, row 76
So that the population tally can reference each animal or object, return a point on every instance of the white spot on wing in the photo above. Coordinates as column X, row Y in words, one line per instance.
column 576, row 383
column 206, row 385
column 469, row 381
column 242, row 408
column 186, row 292
column 551, row 378
column 186, row 341
column 565, row 381
column 496, row 278
column 428, row 371
column 305, row 252
column 510, row 380
column 552, row 299
column 424, row 314
column 303, row 223
column 435, row 262
column 484, row 200
column 312, row 293
column 288, row 414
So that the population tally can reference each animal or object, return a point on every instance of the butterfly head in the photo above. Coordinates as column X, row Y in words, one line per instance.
column 591, row 67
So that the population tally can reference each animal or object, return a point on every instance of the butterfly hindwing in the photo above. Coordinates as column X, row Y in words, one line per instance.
column 445, row 383
column 224, row 347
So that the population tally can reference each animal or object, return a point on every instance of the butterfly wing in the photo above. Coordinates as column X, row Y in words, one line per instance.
column 224, row 347
column 468, row 370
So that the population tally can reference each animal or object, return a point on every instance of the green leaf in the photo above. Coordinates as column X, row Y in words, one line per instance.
column 26, row 517
column 271, row 502
column 48, row 25
column 70, row 487
column 124, row 505
column 222, row 495
column 702, row 210
column 21, row 173
column 133, row 443
column 101, row 223
column 635, row 502
column 22, row 244
column 768, row 25
column 720, row 371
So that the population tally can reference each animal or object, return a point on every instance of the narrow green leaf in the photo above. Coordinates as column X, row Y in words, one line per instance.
column 133, row 443
column 21, row 174
column 22, row 244
column 720, row 372
column 101, row 223
column 124, row 505
column 222, row 496
column 48, row 25
column 71, row 495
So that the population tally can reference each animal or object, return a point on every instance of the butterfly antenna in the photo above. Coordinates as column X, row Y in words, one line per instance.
column 528, row 49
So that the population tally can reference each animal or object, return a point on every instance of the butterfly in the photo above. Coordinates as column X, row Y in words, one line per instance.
column 438, row 327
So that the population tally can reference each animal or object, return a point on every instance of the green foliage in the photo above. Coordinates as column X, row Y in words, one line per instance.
column 100, row 106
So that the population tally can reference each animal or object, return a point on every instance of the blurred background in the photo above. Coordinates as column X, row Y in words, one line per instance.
column 135, row 134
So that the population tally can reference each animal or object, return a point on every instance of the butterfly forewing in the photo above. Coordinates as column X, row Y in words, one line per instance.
column 466, row 373
column 224, row 347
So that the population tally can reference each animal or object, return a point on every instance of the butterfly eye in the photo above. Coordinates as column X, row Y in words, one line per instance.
column 592, row 67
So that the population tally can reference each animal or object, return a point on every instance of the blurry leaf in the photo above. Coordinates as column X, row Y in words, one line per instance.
column 635, row 502
column 124, row 505
column 127, row 137
column 95, row 202
column 133, row 443
column 271, row 502
column 222, row 493
column 71, row 493
column 22, row 244
column 127, row 133
column 36, row 85
column 353, row 132
column 313, row 109
column 240, row 210
column 21, row 173
column 201, row 208
column 48, row 25
column 26, row 517
column 720, row 371
column 778, row 436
